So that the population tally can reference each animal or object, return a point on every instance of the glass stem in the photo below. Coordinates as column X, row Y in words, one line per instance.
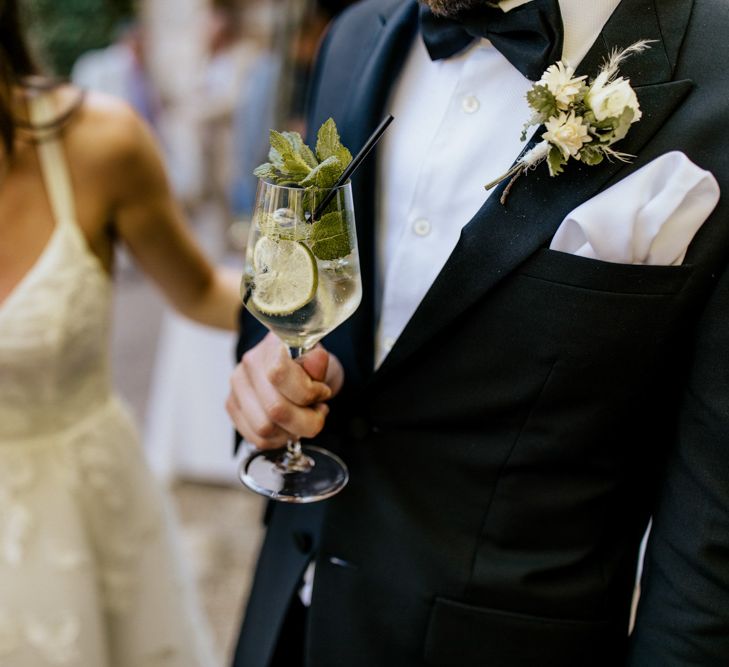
column 295, row 459
column 293, row 447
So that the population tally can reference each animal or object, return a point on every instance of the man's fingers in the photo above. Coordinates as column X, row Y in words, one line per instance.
column 276, row 407
column 249, row 416
column 291, row 379
column 274, row 399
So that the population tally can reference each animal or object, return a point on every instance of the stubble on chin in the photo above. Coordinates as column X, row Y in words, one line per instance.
column 451, row 8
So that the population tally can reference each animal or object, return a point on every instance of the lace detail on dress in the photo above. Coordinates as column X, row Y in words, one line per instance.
column 123, row 518
column 54, row 340
column 88, row 577
column 55, row 639
column 16, row 524
column 16, row 521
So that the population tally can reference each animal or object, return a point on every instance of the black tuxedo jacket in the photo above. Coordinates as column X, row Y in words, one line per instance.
column 536, row 411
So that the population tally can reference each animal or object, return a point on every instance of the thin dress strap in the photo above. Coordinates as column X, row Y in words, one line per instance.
column 53, row 161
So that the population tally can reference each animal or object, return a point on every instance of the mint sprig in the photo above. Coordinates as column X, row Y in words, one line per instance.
column 292, row 163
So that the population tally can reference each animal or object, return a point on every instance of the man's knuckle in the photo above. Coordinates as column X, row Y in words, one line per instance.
column 313, row 426
column 319, row 422
column 275, row 374
column 265, row 430
column 278, row 411
column 255, row 440
column 310, row 394
column 248, row 360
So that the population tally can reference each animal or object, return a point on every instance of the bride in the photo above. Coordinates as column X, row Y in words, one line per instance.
column 88, row 574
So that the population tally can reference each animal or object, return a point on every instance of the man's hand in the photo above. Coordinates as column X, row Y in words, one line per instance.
column 274, row 399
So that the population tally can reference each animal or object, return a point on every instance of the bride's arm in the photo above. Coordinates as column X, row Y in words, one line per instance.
column 145, row 216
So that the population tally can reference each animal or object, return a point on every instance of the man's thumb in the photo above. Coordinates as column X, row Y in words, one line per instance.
column 315, row 363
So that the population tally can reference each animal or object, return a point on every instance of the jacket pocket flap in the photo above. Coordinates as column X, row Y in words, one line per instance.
column 461, row 635
column 594, row 274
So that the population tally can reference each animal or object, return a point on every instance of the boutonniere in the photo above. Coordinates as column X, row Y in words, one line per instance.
column 582, row 118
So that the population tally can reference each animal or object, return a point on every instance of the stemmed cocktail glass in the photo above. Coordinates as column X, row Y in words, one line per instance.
column 301, row 280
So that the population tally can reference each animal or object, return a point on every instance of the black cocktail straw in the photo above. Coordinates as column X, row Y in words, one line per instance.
column 356, row 160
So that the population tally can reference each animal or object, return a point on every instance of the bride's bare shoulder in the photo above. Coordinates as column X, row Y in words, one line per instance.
column 104, row 135
column 101, row 126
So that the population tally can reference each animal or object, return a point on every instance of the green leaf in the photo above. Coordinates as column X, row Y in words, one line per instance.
column 328, row 144
column 324, row 175
column 291, row 163
column 274, row 157
column 591, row 154
column 329, row 237
column 536, row 119
column 266, row 171
column 301, row 148
column 622, row 124
column 555, row 161
column 542, row 101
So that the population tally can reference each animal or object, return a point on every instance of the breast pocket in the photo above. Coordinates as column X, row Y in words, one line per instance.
column 591, row 274
column 599, row 313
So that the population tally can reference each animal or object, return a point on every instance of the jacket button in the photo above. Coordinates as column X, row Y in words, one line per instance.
column 359, row 428
column 303, row 542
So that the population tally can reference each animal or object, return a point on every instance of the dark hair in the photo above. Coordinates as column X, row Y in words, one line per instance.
column 18, row 70
column 16, row 65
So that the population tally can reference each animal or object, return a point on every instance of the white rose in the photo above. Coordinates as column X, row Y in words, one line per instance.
column 610, row 99
column 568, row 133
column 560, row 82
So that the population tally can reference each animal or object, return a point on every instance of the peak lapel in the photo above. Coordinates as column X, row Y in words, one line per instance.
column 499, row 238
column 356, row 94
column 391, row 37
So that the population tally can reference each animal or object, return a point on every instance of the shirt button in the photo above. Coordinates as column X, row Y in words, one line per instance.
column 421, row 227
column 470, row 104
column 388, row 344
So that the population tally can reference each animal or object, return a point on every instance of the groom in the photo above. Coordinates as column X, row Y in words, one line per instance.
column 512, row 415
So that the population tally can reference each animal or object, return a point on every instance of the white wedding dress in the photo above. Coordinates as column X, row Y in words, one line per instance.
column 89, row 574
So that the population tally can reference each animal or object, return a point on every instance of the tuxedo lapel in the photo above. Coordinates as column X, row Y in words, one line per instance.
column 499, row 238
column 358, row 110
column 366, row 106
column 664, row 23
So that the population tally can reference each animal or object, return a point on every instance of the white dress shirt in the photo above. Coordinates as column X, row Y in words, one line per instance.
column 457, row 126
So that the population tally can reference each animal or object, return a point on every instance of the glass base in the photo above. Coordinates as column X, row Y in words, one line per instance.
column 264, row 473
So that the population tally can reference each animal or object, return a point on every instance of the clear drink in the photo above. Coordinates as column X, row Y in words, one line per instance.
column 338, row 294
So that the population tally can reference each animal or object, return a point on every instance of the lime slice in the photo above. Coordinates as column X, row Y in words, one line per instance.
column 286, row 276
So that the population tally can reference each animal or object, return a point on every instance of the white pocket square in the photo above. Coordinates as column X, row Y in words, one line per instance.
column 649, row 217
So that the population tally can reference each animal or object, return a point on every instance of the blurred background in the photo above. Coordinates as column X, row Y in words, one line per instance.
column 211, row 77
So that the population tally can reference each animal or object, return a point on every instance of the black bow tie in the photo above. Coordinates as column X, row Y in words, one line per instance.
column 530, row 36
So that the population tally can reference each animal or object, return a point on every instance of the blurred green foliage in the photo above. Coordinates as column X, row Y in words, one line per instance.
column 59, row 31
